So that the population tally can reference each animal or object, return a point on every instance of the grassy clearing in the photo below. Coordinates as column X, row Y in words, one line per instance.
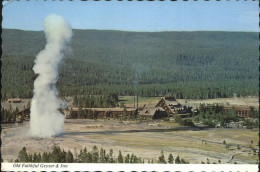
column 249, row 156
column 232, row 136
column 160, row 141
column 129, row 100
column 168, row 124
column 253, row 101
column 185, row 139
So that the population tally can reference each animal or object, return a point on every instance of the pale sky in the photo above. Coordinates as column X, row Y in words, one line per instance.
column 136, row 16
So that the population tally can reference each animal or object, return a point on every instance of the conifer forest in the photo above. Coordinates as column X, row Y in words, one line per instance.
column 200, row 65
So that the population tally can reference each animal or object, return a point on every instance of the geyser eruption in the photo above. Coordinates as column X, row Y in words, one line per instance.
column 45, row 118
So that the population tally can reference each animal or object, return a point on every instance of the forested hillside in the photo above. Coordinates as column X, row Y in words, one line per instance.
column 182, row 64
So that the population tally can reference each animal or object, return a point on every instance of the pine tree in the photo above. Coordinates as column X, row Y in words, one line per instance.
column 120, row 157
column 35, row 157
column 23, row 157
column 184, row 162
column 39, row 157
column 56, row 155
column 177, row 160
column 45, row 157
column 170, row 159
column 127, row 158
column 63, row 156
column 69, row 157
column 132, row 158
column 95, row 154
column 111, row 159
column 30, row 158
column 102, row 155
column 161, row 158
column 75, row 101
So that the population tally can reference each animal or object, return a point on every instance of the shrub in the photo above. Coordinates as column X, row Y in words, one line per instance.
column 188, row 122
column 184, row 122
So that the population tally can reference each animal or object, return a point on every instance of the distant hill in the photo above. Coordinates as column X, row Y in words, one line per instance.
column 183, row 64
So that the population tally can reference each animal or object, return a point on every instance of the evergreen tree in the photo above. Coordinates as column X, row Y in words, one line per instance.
column 95, row 154
column 161, row 158
column 170, row 159
column 30, row 158
column 23, row 157
column 102, row 155
column 120, row 157
column 111, row 159
column 177, row 160
column 39, row 158
column 63, row 156
column 132, row 158
column 75, row 101
column 45, row 157
column 127, row 158
column 56, row 155
column 69, row 157
column 35, row 157
column 183, row 161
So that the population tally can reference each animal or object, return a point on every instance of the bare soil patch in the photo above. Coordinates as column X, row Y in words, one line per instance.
column 140, row 138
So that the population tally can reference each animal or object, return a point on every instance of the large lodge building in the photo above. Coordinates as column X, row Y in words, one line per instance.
column 166, row 107
column 101, row 112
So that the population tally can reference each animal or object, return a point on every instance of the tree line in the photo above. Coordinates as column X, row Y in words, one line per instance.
column 98, row 101
column 8, row 115
column 93, row 156
column 183, row 64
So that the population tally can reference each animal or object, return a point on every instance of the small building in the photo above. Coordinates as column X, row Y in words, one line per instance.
column 241, row 111
column 14, row 100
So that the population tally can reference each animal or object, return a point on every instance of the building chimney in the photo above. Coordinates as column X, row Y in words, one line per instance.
column 137, row 100
column 134, row 101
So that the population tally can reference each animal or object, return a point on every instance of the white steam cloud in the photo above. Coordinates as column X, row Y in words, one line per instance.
column 45, row 118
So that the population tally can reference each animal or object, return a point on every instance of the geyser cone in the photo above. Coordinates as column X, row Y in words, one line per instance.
column 45, row 118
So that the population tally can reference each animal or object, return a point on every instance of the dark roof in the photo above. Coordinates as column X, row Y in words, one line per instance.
column 170, row 98
column 117, row 109
column 150, row 111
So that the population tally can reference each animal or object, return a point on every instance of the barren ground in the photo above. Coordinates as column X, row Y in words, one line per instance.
column 145, row 139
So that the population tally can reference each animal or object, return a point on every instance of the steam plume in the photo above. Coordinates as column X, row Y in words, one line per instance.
column 45, row 118
column 138, row 68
